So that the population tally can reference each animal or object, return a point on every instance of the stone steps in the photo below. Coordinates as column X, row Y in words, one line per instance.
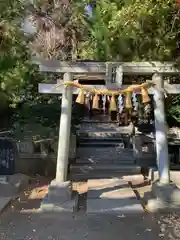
column 103, row 167
column 109, row 154
column 84, row 172
column 103, row 129
column 105, row 161
column 101, row 134
column 103, row 139
column 112, row 196
column 101, row 144
column 102, row 152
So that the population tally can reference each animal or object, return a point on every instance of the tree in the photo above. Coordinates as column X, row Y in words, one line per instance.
column 59, row 28
column 174, row 109
column 14, row 54
column 117, row 30
column 133, row 30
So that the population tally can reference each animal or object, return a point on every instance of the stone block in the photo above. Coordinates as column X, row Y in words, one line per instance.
column 108, row 188
column 166, row 197
column 25, row 147
column 103, row 183
column 19, row 180
column 60, row 192
column 174, row 176
column 29, row 163
column 168, row 193
column 114, row 206
column 49, row 205
column 111, row 196
column 14, row 184
column 157, row 205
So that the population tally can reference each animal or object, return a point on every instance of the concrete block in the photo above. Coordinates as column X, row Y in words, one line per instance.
column 14, row 184
column 29, row 164
column 166, row 198
column 174, row 176
column 48, row 205
column 103, row 183
column 168, row 193
column 109, row 188
column 25, row 147
column 19, row 180
column 157, row 205
column 114, row 206
column 60, row 192
column 111, row 196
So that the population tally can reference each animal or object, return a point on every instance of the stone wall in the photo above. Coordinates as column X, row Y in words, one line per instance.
column 43, row 163
column 144, row 150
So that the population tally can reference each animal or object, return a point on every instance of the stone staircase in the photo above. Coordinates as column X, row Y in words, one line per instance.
column 104, row 150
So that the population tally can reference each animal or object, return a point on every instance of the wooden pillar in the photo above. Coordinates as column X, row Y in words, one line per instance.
column 161, row 130
column 64, row 132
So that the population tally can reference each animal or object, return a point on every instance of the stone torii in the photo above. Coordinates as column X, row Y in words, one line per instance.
column 156, row 69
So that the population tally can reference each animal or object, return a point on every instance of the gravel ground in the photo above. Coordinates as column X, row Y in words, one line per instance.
column 21, row 221
column 23, row 226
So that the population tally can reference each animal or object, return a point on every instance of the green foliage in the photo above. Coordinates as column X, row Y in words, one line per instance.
column 119, row 30
column 133, row 30
column 34, row 119
column 174, row 110
column 41, row 120
column 14, row 56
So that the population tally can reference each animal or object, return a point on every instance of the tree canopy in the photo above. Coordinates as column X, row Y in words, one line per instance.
column 125, row 30
column 15, row 67
column 115, row 30
column 133, row 31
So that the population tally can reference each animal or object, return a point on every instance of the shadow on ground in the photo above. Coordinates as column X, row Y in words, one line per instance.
column 22, row 221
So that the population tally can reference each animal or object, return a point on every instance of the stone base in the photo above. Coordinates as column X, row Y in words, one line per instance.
column 167, row 197
column 47, row 205
column 60, row 192
column 59, row 198
column 157, row 205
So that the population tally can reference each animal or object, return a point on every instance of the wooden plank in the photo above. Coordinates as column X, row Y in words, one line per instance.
column 57, row 89
column 139, row 68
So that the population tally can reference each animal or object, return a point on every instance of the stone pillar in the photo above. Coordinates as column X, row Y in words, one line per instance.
column 161, row 130
column 64, row 132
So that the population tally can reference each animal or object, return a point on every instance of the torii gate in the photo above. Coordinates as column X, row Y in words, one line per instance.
column 104, row 70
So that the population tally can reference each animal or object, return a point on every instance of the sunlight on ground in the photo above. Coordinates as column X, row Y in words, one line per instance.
column 38, row 192
column 35, row 210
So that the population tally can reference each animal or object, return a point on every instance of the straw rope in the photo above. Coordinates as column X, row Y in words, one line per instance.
column 109, row 92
